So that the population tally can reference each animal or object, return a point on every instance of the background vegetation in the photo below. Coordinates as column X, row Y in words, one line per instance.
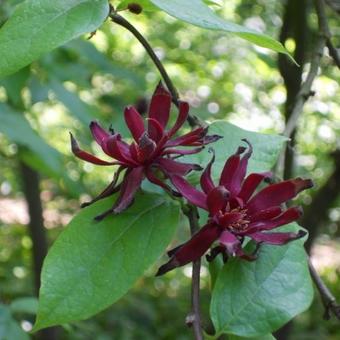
column 222, row 77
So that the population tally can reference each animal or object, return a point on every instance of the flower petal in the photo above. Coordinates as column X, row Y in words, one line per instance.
column 206, row 181
column 109, row 190
column 277, row 238
column 251, row 183
column 266, row 214
column 229, row 218
column 160, row 105
column 217, row 199
column 230, row 169
column 173, row 167
column 119, row 150
column 194, row 196
column 98, row 133
column 146, row 148
column 230, row 242
column 288, row 216
column 235, row 185
column 192, row 138
column 155, row 130
column 278, row 193
column 193, row 249
column 135, row 122
column 87, row 156
column 182, row 152
column 183, row 111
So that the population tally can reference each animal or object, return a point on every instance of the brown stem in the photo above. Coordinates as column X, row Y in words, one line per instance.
column 327, row 297
column 118, row 19
column 193, row 319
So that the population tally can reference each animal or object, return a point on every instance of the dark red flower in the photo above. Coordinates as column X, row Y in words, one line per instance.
column 153, row 150
column 236, row 211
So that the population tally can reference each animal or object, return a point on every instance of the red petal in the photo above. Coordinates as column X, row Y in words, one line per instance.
column 119, row 150
column 235, row 185
column 155, row 130
column 183, row 108
column 288, row 216
column 98, row 133
column 207, row 183
column 230, row 169
column 251, row 183
column 194, row 196
column 278, row 193
column 130, row 185
column 276, row 238
column 182, row 152
column 135, row 122
column 230, row 242
column 193, row 249
column 217, row 199
column 160, row 105
column 228, row 218
column 188, row 139
column 172, row 167
column 87, row 156
column 146, row 148
column 266, row 214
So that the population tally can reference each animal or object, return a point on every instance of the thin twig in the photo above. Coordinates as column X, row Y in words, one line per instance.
column 306, row 88
column 118, row 19
column 194, row 317
column 333, row 52
column 327, row 297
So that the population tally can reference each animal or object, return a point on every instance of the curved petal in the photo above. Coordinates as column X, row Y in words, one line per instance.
column 230, row 168
column 155, row 130
column 119, row 150
column 160, row 105
column 183, row 111
column 251, row 183
column 182, row 152
column 191, row 138
column 146, row 148
column 288, row 216
column 193, row 249
column 277, row 238
column 235, row 185
column 217, row 199
column 135, row 122
column 173, row 167
column 266, row 214
column 206, row 181
column 130, row 185
column 278, row 193
column 194, row 196
column 98, row 133
column 85, row 156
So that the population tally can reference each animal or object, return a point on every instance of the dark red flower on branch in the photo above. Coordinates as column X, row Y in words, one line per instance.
column 236, row 211
column 153, row 150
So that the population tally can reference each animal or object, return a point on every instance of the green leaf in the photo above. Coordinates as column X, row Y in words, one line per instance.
column 252, row 299
column 199, row 14
column 28, row 305
column 17, row 128
column 9, row 328
column 92, row 265
column 266, row 148
column 262, row 337
column 37, row 27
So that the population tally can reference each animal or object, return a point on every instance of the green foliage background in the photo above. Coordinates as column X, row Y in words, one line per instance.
column 222, row 76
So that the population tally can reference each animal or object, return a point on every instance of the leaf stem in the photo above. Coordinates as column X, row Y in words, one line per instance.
column 118, row 19
column 327, row 297
column 193, row 319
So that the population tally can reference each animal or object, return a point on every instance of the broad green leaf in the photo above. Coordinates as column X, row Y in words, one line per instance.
column 256, row 298
column 199, row 14
column 28, row 305
column 17, row 128
column 37, row 27
column 92, row 265
column 9, row 328
column 266, row 148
